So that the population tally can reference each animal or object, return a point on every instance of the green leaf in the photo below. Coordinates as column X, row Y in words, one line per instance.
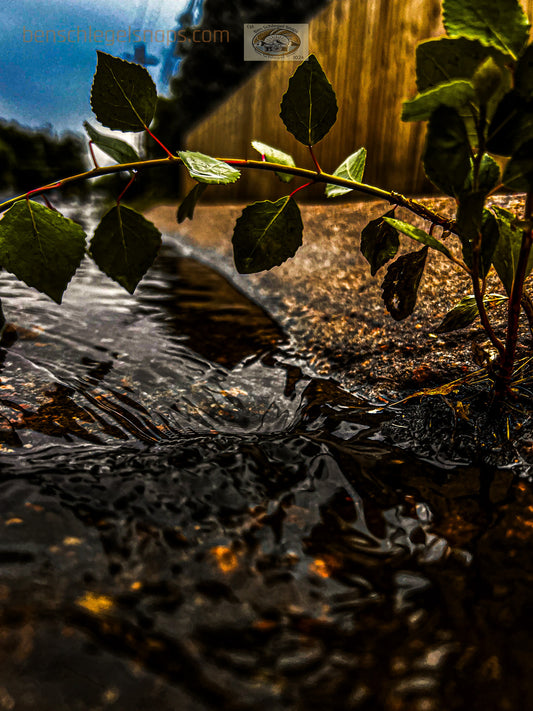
column 505, row 257
column 123, row 95
column 486, row 80
column 523, row 76
column 186, row 209
column 447, row 151
column 309, row 107
column 518, row 173
column 465, row 312
column 351, row 169
column 400, row 286
column 209, row 170
column 125, row 245
column 469, row 221
column 119, row 150
column 379, row 242
column 273, row 155
column 456, row 94
column 511, row 125
column 501, row 24
column 266, row 235
column 488, row 177
column 40, row 247
column 418, row 235
column 444, row 59
column 490, row 234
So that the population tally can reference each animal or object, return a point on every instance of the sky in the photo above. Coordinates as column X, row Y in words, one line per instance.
column 45, row 83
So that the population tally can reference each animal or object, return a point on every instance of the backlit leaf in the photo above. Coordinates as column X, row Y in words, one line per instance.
column 501, row 24
column 488, row 176
column 209, row 170
column 465, row 313
column 447, row 151
column 309, row 107
column 123, row 94
column 486, row 80
column 400, row 286
column 186, row 209
column 351, row 169
column 273, row 155
column 505, row 257
column 455, row 94
column 125, row 245
column 40, row 247
column 418, row 235
column 115, row 148
column 379, row 242
column 267, row 234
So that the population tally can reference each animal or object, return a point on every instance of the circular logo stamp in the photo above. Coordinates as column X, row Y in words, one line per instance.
column 276, row 42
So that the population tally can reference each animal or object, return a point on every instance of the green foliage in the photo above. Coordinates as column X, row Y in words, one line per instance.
column 518, row 173
column 447, row 153
column 454, row 94
column 125, row 245
column 465, row 313
column 119, row 150
column 400, row 286
column 418, row 235
column 186, row 209
column 40, row 247
column 123, row 95
column 208, row 170
column 352, row 169
column 505, row 257
column 379, row 242
column 266, row 235
column 309, row 107
column 276, row 156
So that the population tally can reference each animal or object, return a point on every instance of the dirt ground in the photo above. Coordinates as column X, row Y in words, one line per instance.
column 331, row 307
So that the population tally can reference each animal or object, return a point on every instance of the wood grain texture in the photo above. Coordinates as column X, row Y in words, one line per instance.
column 367, row 50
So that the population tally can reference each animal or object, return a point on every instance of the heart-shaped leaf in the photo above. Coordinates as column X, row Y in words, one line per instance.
column 41, row 247
column 267, row 234
column 123, row 95
column 501, row 24
column 379, row 242
column 125, row 245
column 208, row 170
column 465, row 313
column 455, row 94
column 351, row 169
column 309, row 107
column 400, row 286
column 418, row 235
column 115, row 148
column 505, row 257
column 273, row 155
column 186, row 209
column 447, row 152
column 488, row 176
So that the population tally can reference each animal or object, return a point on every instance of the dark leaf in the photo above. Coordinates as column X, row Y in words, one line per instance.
column 267, row 234
column 309, row 107
column 41, row 247
column 351, row 169
column 518, row 173
column 455, row 94
column 186, row 209
column 125, row 245
column 209, row 170
column 488, row 177
column 505, row 257
column 123, row 95
column 379, row 242
column 486, row 80
column 401, row 283
column 418, row 235
column 465, row 313
column 501, row 24
column 273, row 155
column 523, row 76
column 511, row 125
column 119, row 150
column 447, row 151
column 490, row 235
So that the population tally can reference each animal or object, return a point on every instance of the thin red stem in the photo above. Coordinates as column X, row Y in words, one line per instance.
column 318, row 168
column 41, row 190
column 125, row 189
column 92, row 154
column 301, row 188
column 169, row 154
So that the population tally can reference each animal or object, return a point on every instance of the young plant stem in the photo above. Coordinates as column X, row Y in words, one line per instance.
column 515, row 300
column 305, row 185
column 159, row 142
column 126, row 188
column 318, row 168
column 390, row 196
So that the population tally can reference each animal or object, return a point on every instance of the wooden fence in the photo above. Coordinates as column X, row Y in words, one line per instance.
column 367, row 50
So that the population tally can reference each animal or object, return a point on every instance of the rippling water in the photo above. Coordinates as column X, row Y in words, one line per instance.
column 191, row 520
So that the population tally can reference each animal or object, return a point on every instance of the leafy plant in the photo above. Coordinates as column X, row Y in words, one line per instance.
column 475, row 90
